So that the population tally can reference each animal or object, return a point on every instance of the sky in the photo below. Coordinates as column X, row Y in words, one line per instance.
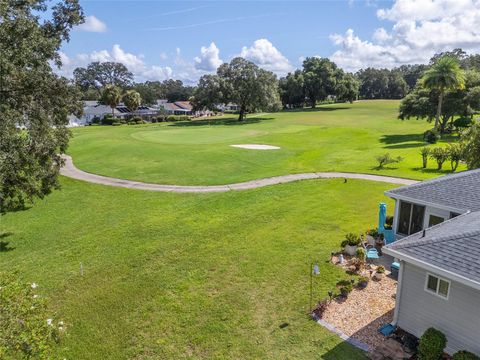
column 183, row 40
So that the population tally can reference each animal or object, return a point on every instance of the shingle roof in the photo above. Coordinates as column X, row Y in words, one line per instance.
column 453, row 245
column 460, row 191
column 184, row 105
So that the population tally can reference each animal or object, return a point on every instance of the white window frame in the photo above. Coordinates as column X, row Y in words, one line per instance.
column 438, row 286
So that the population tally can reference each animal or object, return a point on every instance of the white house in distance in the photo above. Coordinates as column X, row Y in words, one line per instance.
column 437, row 226
column 92, row 110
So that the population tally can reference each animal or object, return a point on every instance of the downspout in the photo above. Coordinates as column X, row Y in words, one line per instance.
column 399, row 294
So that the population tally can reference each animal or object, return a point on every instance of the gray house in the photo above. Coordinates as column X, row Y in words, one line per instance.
column 437, row 225
column 431, row 202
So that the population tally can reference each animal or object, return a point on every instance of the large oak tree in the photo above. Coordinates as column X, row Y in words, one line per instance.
column 240, row 82
column 34, row 102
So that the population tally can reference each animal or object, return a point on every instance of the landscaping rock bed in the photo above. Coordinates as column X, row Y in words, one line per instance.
column 363, row 312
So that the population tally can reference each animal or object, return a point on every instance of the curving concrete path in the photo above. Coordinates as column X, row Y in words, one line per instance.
column 71, row 171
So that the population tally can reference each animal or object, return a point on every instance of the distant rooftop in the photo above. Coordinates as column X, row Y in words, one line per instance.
column 460, row 191
column 453, row 245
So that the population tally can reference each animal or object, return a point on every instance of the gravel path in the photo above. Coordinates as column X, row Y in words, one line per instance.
column 69, row 170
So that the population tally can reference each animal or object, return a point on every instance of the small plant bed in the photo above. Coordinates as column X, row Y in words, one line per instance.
column 366, row 308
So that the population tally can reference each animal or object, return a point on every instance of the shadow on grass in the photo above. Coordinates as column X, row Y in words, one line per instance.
column 378, row 168
column 398, row 139
column 405, row 146
column 4, row 245
column 214, row 122
column 343, row 351
column 433, row 171
column 318, row 109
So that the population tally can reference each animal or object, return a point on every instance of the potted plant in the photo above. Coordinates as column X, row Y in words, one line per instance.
column 379, row 273
column 362, row 282
column 351, row 243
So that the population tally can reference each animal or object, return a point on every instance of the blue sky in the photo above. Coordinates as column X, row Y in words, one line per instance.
column 161, row 39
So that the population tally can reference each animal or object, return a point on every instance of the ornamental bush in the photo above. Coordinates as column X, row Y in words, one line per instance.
column 425, row 152
column 440, row 155
column 174, row 118
column 465, row 355
column 463, row 122
column 27, row 330
column 346, row 289
column 351, row 239
column 431, row 136
column 320, row 309
column 386, row 159
column 431, row 345
column 361, row 254
column 455, row 155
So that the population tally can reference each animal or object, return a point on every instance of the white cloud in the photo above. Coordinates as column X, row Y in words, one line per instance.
column 209, row 59
column 135, row 63
column 267, row 56
column 420, row 29
column 381, row 35
column 92, row 24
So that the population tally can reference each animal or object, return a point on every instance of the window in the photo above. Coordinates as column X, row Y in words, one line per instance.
column 437, row 286
column 452, row 215
column 434, row 220
column 410, row 218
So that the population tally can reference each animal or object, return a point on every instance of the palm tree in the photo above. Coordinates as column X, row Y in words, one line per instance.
column 444, row 75
column 111, row 96
column 132, row 100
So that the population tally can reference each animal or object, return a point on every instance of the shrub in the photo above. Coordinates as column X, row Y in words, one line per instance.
column 154, row 119
column 346, row 289
column 381, row 269
column 351, row 239
column 96, row 120
column 363, row 282
column 343, row 283
column 109, row 120
column 28, row 332
column 431, row 136
column 440, row 155
column 386, row 159
column 373, row 232
column 320, row 309
column 462, row 123
column 361, row 254
column 464, row 355
column 425, row 152
column 174, row 118
column 431, row 345
column 455, row 154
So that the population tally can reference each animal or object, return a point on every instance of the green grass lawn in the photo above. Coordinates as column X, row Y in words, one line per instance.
column 203, row 276
column 338, row 137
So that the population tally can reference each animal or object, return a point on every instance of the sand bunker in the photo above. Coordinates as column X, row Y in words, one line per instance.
column 256, row 146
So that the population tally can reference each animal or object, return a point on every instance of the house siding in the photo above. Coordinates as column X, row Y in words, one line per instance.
column 458, row 317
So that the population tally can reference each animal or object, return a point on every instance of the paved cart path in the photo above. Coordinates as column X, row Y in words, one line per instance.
column 69, row 170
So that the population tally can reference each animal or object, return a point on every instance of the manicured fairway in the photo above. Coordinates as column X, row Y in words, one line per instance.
column 338, row 137
column 172, row 276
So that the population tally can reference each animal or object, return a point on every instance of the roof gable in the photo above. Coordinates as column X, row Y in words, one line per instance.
column 459, row 191
column 453, row 246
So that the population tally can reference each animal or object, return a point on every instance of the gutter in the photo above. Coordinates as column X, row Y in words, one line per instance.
column 438, row 270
